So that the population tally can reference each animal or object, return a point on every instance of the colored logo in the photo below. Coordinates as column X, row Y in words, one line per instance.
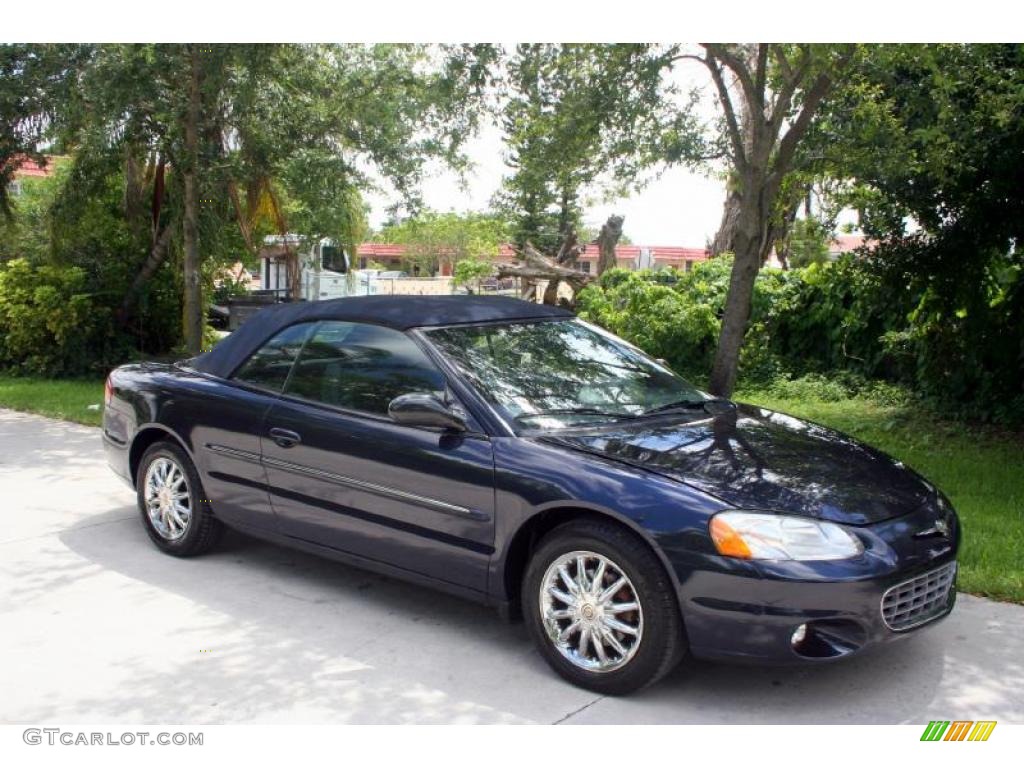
column 958, row 730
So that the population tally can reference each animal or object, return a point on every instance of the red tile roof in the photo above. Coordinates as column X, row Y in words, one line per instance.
column 847, row 243
column 29, row 167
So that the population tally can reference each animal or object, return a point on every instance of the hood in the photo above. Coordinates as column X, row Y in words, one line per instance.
column 759, row 459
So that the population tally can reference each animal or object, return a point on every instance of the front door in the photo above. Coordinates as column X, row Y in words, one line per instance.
column 342, row 474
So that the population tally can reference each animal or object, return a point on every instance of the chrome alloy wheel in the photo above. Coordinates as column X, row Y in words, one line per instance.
column 591, row 611
column 168, row 501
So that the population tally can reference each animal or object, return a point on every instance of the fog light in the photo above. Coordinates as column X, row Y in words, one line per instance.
column 799, row 635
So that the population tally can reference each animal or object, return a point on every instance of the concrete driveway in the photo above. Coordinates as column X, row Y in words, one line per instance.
column 98, row 626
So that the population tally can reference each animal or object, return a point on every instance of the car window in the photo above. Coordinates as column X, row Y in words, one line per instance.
column 361, row 367
column 269, row 365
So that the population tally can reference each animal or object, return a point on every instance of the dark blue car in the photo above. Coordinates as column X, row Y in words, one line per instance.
column 513, row 454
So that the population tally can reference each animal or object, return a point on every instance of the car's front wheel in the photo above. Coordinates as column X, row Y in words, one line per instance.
column 174, row 509
column 601, row 608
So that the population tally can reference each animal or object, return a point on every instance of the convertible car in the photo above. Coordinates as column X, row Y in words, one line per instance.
column 513, row 454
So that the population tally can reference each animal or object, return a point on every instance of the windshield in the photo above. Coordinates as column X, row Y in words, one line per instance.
column 554, row 374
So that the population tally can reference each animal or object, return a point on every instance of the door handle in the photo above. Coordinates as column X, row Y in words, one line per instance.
column 285, row 437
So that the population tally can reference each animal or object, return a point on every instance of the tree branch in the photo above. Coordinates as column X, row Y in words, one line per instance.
column 783, row 62
column 735, row 137
column 761, row 73
column 790, row 83
column 754, row 97
column 787, row 146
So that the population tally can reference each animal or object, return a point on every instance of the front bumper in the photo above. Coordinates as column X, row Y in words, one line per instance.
column 751, row 610
column 756, row 619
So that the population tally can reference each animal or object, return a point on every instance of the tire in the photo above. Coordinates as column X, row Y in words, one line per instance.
column 640, row 659
column 201, row 529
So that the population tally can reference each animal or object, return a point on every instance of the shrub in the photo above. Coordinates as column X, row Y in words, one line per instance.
column 655, row 316
column 50, row 325
column 834, row 330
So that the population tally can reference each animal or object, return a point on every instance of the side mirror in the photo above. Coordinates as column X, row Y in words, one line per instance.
column 420, row 409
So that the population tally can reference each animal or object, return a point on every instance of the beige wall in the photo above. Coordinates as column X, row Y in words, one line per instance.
column 413, row 286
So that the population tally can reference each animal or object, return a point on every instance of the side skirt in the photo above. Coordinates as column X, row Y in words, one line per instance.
column 368, row 564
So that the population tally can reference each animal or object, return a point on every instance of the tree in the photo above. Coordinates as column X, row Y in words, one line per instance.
column 33, row 79
column 807, row 243
column 580, row 118
column 432, row 239
column 232, row 141
column 927, row 141
column 471, row 271
column 768, row 95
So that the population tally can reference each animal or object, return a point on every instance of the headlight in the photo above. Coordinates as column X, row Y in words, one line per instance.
column 762, row 536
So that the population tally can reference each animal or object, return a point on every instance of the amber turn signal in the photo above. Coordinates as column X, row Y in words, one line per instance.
column 727, row 541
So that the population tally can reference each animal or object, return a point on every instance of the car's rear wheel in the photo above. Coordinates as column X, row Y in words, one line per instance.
column 174, row 509
column 601, row 609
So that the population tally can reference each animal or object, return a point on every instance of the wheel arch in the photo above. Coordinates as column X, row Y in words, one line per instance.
column 543, row 521
column 144, row 438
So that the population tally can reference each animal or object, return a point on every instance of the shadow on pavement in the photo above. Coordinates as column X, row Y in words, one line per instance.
column 322, row 640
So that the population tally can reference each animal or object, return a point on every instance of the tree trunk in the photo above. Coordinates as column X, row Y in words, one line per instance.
column 747, row 250
column 157, row 256
column 725, row 239
column 539, row 267
column 611, row 231
column 763, row 132
column 293, row 272
column 193, row 299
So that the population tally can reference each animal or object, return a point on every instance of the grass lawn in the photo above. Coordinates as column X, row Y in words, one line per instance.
column 981, row 470
column 62, row 399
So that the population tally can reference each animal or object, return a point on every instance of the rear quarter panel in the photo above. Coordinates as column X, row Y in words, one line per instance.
column 203, row 414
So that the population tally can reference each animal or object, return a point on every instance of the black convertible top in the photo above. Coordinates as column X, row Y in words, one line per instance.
column 398, row 312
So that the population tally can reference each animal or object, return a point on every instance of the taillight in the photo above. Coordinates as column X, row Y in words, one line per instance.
column 108, row 391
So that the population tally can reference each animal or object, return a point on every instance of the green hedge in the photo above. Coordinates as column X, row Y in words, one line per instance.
column 852, row 318
column 51, row 325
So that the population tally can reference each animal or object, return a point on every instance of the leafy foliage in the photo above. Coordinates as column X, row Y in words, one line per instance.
column 49, row 323
column 580, row 118
column 671, row 315
column 933, row 135
column 808, row 242
column 33, row 80
column 471, row 271
column 848, row 321
column 433, row 238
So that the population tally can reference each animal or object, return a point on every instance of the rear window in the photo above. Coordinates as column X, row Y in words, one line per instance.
column 269, row 365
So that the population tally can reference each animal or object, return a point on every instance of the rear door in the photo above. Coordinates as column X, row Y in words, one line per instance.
column 342, row 474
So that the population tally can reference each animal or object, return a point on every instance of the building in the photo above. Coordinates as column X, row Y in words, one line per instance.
column 324, row 271
column 28, row 168
column 842, row 244
column 390, row 256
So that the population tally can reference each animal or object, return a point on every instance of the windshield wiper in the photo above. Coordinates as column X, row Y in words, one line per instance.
column 574, row 412
column 680, row 405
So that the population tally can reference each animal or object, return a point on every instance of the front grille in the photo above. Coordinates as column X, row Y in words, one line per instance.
column 919, row 600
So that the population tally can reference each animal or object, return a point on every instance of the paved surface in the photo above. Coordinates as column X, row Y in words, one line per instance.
column 97, row 626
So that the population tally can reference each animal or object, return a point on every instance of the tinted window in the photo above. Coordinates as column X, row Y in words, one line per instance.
column 269, row 365
column 361, row 367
